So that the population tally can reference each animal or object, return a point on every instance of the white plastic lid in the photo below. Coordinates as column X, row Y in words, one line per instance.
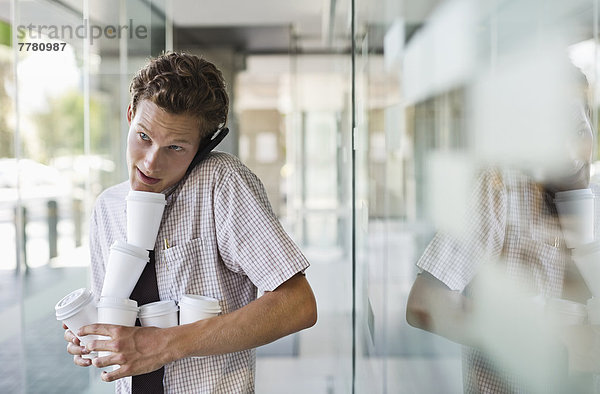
column 570, row 195
column 131, row 250
column 585, row 249
column 567, row 307
column 72, row 303
column 118, row 303
column 155, row 198
column 207, row 304
column 593, row 303
column 158, row 308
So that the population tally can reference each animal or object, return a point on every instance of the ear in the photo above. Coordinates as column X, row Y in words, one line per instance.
column 129, row 114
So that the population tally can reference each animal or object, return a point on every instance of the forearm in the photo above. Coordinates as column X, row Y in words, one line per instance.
column 284, row 311
column 454, row 323
column 435, row 308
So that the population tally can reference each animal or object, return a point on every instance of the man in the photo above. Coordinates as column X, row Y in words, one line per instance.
column 514, row 226
column 218, row 238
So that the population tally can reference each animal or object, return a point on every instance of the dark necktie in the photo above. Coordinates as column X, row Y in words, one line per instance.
column 146, row 291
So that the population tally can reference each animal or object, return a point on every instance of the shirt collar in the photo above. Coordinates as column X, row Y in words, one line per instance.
column 172, row 191
column 169, row 192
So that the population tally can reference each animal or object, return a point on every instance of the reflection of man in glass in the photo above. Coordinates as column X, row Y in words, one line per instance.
column 222, row 241
column 514, row 225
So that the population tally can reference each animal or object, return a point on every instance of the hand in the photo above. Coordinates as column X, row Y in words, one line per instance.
column 137, row 350
column 74, row 347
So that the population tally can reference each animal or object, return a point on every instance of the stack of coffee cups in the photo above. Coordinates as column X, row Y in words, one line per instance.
column 576, row 211
column 126, row 262
column 144, row 214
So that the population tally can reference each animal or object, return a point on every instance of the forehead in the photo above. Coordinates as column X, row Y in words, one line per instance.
column 156, row 120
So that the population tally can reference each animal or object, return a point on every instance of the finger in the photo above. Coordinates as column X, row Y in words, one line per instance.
column 100, row 344
column 98, row 329
column 65, row 326
column 76, row 350
column 82, row 362
column 105, row 360
column 70, row 337
column 101, row 362
column 113, row 375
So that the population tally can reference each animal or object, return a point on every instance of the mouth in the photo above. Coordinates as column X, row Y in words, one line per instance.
column 146, row 179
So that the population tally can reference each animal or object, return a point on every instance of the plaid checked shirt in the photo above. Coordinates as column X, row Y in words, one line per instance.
column 513, row 222
column 225, row 242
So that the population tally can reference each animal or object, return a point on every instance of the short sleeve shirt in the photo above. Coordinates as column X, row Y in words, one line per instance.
column 512, row 222
column 224, row 241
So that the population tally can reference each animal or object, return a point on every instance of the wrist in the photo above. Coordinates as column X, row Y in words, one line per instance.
column 170, row 349
column 182, row 341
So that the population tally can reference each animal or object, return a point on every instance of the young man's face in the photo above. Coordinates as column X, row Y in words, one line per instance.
column 578, row 156
column 160, row 147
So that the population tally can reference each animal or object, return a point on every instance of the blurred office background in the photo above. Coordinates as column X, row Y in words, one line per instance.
column 362, row 118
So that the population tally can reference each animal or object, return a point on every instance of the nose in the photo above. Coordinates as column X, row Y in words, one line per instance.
column 152, row 160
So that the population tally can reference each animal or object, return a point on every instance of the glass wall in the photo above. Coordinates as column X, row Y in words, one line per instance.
column 294, row 117
column 444, row 92
column 65, row 74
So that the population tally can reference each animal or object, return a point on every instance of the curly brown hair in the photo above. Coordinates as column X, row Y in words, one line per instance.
column 181, row 83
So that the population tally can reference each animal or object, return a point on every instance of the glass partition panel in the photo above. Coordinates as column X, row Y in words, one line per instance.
column 62, row 146
column 11, row 336
column 50, row 121
column 468, row 86
column 293, row 114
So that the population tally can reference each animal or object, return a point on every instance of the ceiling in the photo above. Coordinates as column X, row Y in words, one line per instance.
column 259, row 26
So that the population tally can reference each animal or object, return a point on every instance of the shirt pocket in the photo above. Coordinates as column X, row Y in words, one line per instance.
column 538, row 264
column 187, row 270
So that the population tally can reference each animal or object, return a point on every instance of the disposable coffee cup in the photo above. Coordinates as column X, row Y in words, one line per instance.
column 75, row 310
column 565, row 313
column 144, row 214
column 161, row 314
column 593, row 310
column 576, row 216
column 587, row 260
column 120, row 311
column 561, row 315
column 580, row 355
column 125, row 265
column 196, row 307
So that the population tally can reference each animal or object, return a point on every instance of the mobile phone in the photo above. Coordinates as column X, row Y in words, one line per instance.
column 207, row 145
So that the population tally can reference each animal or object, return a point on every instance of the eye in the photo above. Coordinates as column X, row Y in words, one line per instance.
column 175, row 148
column 583, row 133
column 144, row 136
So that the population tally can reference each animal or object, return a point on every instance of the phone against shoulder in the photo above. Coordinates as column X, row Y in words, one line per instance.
column 207, row 145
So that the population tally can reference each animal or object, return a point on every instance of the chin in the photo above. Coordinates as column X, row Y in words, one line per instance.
column 142, row 187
